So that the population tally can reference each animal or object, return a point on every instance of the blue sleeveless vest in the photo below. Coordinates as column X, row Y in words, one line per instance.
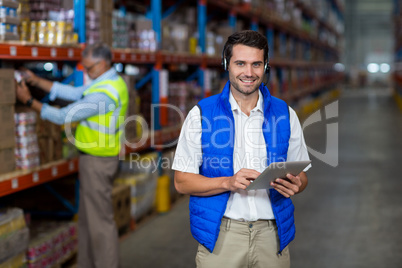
column 217, row 155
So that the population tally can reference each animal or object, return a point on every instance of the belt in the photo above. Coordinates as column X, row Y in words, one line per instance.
column 271, row 223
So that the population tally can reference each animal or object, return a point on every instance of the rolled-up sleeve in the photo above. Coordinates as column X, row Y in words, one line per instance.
column 188, row 156
column 90, row 105
column 66, row 92
column 297, row 150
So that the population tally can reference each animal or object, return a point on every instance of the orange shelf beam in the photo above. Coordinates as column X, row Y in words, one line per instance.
column 40, row 53
column 20, row 180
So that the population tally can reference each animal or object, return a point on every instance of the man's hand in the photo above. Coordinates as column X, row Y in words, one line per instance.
column 290, row 185
column 29, row 77
column 23, row 94
column 242, row 179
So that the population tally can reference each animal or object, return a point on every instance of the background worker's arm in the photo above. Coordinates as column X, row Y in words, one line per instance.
column 34, row 80
column 56, row 89
column 196, row 184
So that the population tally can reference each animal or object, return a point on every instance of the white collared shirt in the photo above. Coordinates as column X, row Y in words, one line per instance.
column 249, row 152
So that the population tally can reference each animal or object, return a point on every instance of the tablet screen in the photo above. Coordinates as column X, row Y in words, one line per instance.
column 277, row 170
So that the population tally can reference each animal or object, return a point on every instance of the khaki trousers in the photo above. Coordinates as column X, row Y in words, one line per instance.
column 245, row 244
column 97, row 232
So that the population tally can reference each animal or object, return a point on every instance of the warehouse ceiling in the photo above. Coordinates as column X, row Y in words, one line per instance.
column 368, row 31
column 370, row 15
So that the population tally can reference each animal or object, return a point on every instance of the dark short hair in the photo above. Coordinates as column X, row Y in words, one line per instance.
column 248, row 38
column 98, row 51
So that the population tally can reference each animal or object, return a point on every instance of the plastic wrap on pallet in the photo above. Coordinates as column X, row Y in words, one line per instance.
column 141, row 173
column 51, row 243
column 14, row 235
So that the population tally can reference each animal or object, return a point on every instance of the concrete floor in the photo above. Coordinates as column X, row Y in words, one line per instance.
column 349, row 216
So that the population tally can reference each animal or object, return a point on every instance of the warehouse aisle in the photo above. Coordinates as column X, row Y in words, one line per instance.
column 349, row 216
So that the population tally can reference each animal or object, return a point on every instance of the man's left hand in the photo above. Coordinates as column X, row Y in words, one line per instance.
column 23, row 94
column 288, row 186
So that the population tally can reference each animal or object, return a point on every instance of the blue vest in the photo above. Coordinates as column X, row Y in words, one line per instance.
column 217, row 155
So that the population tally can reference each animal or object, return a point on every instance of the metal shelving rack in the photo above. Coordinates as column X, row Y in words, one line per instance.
column 397, row 75
column 17, row 181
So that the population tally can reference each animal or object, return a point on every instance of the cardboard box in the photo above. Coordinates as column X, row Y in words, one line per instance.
column 7, row 160
column 106, row 32
column 121, row 198
column 104, row 6
column 7, row 129
column 7, row 86
column 49, row 140
column 132, row 94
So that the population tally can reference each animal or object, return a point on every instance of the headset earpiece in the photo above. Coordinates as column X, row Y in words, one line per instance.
column 224, row 63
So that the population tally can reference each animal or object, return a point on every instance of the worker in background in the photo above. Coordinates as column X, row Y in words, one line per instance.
column 99, row 107
column 225, row 142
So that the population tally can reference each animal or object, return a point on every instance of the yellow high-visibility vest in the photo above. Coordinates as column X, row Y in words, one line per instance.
column 100, row 134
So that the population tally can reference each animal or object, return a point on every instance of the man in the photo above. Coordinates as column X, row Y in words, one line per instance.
column 99, row 107
column 226, row 141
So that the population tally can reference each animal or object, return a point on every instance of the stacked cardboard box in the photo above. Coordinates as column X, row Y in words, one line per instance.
column 9, row 20
column 121, row 198
column 27, row 150
column 50, row 243
column 14, row 237
column 105, row 9
column 131, row 127
column 40, row 9
column 141, row 174
column 50, row 142
column 183, row 96
column 7, row 100
column 92, row 26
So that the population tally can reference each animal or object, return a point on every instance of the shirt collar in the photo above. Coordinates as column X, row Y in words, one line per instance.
column 109, row 74
column 235, row 106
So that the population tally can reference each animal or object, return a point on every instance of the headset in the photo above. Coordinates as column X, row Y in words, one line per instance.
column 267, row 68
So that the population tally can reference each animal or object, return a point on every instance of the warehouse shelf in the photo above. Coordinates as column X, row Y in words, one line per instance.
column 25, row 51
column 339, row 5
column 156, row 139
column 32, row 52
column 217, row 61
column 23, row 179
column 313, row 14
column 134, row 56
column 19, row 180
column 270, row 19
column 398, row 78
column 294, row 95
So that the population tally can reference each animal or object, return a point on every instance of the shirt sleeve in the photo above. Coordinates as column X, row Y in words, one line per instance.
column 188, row 156
column 297, row 150
column 66, row 92
column 90, row 105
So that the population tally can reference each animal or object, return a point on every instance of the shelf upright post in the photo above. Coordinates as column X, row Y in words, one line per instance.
column 202, row 25
column 270, row 37
column 79, row 20
column 232, row 20
column 254, row 25
column 79, row 27
column 156, row 10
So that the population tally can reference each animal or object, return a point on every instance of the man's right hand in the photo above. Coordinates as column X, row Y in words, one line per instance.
column 242, row 179
column 29, row 77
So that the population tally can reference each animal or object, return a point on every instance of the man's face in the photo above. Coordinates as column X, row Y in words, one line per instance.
column 246, row 69
column 94, row 67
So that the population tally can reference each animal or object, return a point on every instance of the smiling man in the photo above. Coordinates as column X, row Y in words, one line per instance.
column 99, row 107
column 227, row 140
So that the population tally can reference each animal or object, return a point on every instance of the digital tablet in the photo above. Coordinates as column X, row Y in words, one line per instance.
column 277, row 170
